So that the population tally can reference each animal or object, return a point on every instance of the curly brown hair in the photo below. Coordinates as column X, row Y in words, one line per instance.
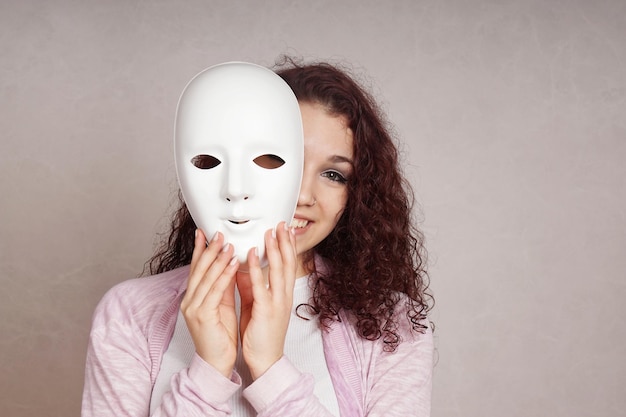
column 375, row 255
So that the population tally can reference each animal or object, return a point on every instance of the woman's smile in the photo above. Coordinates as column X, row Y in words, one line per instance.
column 299, row 223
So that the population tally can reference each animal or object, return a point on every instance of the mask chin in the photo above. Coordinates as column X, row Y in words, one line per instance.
column 239, row 153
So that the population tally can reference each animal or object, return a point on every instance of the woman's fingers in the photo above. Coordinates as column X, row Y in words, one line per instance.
column 287, row 246
column 212, row 273
column 203, row 257
column 258, row 286
column 199, row 245
column 264, row 325
column 282, row 259
column 223, row 267
column 274, row 258
column 210, row 281
column 208, row 305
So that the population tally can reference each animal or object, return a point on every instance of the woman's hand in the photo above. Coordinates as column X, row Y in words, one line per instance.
column 266, row 305
column 209, row 303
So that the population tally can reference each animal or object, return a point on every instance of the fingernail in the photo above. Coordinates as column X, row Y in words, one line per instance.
column 274, row 233
column 233, row 261
column 285, row 226
column 215, row 236
column 195, row 233
column 225, row 248
column 256, row 251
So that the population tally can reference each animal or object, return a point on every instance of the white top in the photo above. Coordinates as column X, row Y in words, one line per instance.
column 303, row 347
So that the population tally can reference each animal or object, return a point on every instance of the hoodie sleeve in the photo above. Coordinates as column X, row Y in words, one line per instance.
column 118, row 370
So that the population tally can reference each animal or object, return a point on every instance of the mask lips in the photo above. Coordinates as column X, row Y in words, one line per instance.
column 238, row 221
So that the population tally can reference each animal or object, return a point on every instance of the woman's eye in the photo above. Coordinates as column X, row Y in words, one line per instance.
column 335, row 177
column 205, row 161
column 269, row 161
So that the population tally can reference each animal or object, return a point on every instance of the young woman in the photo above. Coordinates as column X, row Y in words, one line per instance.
column 337, row 325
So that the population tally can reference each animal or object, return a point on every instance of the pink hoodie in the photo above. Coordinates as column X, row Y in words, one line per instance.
column 134, row 322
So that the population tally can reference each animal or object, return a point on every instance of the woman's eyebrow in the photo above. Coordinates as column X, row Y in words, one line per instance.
column 340, row 159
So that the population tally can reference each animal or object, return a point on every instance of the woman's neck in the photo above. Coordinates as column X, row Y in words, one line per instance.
column 305, row 264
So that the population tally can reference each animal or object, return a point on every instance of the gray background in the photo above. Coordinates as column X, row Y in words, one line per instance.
column 513, row 119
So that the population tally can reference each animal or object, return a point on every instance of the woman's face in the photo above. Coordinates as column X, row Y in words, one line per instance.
column 328, row 165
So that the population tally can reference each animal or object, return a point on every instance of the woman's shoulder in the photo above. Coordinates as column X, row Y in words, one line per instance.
column 140, row 299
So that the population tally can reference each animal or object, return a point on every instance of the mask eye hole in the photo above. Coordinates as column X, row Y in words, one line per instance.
column 205, row 161
column 269, row 161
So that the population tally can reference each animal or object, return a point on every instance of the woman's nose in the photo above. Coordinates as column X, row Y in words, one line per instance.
column 307, row 194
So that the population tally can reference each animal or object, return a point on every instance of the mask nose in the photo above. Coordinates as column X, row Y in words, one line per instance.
column 237, row 185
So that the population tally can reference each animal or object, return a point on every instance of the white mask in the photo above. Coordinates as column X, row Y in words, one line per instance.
column 235, row 125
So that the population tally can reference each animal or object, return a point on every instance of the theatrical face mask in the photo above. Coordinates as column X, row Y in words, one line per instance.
column 239, row 153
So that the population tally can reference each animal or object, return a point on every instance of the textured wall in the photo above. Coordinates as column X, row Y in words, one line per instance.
column 513, row 115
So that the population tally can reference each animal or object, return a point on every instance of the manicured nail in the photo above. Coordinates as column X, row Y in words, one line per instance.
column 226, row 247
column 285, row 226
column 195, row 233
column 233, row 261
column 215, row 236
column 256, row 251
column 274, row 233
